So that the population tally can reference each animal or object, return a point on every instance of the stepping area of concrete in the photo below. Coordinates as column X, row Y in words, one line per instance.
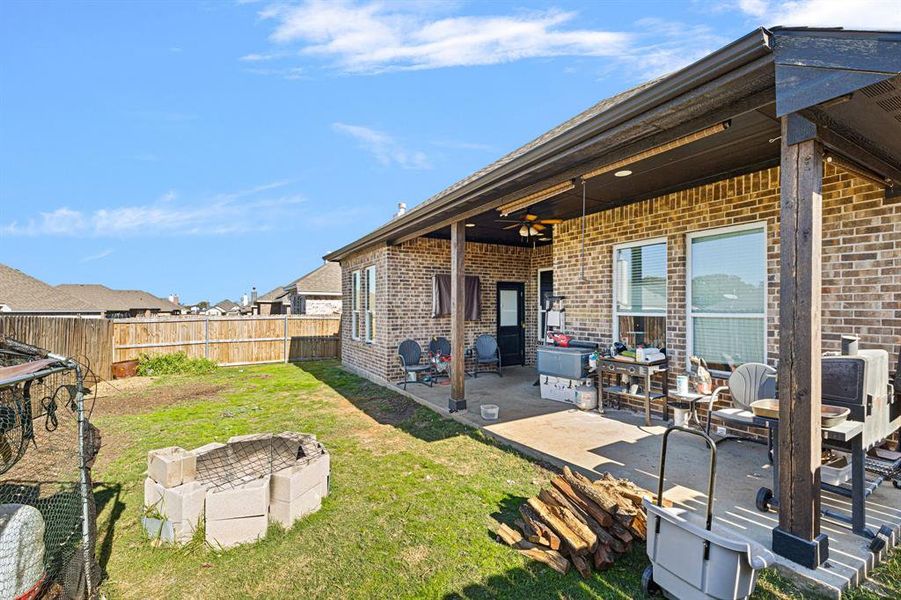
column 618, row 442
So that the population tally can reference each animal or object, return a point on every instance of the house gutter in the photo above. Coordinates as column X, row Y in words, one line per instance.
column 745, row 50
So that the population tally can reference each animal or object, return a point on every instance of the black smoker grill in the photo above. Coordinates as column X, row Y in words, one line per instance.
column 858, row 381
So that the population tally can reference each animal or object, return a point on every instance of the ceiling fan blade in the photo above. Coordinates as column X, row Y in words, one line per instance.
column 530, row 217
column 550, row 221
column 538, row 226
column 514, row 226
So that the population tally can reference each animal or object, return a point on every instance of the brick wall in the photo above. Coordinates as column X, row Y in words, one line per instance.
column 861, row 257
column 358, row 354
column 861, row 269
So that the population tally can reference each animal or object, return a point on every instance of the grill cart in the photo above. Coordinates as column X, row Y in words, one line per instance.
column 693, row 562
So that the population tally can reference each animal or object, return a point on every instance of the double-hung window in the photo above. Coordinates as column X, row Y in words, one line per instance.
column 639, row 293
column 727, row 296
column 370, row 304
column 355, row 305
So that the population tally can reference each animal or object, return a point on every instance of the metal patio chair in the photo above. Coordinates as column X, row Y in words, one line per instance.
column 409, row 353
column 748, row 383
column 439, row 347
column 486, row 352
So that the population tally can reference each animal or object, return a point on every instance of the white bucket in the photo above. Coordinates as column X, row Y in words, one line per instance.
column 680, row 416
column 489, row 412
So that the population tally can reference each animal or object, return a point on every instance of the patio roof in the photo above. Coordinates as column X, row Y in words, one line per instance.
column 744, row 84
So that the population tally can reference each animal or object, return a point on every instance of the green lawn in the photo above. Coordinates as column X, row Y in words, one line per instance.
column 413, row 502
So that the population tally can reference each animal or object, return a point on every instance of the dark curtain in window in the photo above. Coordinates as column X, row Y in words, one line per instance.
column 441, row 297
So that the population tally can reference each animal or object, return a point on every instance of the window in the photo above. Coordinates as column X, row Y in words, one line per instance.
column 355, row 305
column 727, row 296
column 370, row 304
column 639, row 293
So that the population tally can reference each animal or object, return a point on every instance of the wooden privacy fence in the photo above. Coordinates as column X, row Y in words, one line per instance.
column 88, row 340
column 230, row 340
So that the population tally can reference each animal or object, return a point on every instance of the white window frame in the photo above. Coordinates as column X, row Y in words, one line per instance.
column 369, row 301
column 541, row 309
column 616, row 314
column 689, row 315
column 355, row 305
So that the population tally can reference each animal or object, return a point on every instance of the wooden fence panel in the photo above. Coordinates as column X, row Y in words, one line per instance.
column 87, row 340
column 230, row 340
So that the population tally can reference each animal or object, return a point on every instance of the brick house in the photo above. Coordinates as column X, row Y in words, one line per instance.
column 316, row 293
column 763, row 170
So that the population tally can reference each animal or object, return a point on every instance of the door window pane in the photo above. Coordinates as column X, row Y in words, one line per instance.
column 728, row 272
column 726, row 342
column 509, row 310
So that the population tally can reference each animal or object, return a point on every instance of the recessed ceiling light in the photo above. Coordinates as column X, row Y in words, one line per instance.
column 470, row 224
column 623, row 173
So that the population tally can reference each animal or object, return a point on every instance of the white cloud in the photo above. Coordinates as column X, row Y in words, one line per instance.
column 857, row 14
column 236, row 212
column 384, row 147
column 462, row 145
column 100, row 255
column 375, row 37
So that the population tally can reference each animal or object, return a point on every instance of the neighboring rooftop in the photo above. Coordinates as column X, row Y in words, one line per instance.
column 20, row 292
column 225, row 305
column 107, row 299
column 322, row 281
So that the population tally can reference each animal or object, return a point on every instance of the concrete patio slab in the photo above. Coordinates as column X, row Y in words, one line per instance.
column 618, row 442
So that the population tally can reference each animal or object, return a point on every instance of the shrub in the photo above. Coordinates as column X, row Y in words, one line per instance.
column 176, row 363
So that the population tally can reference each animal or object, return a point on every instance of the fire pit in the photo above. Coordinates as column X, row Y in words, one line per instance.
column 237, row 488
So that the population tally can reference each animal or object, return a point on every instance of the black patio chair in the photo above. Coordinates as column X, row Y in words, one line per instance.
column 486, row 352
column 439, row 347
column 410, row 354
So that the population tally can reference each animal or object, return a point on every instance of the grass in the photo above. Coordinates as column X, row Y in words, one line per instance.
column 413, row 503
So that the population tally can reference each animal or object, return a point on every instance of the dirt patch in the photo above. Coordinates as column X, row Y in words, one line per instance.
column 146, row 399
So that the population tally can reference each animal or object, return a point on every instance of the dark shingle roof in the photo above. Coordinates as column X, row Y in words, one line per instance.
column 108, row 299
column 23, row 293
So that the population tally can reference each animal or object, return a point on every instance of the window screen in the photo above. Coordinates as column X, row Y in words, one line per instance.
column 639, row 289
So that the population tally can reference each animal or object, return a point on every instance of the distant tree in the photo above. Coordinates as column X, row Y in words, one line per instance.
column 203, row 305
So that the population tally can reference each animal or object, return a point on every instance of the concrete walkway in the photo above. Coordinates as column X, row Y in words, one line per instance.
column 618, row 442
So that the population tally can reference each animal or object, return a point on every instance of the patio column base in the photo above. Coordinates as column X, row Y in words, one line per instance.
column 455, row 405
column 810, row 554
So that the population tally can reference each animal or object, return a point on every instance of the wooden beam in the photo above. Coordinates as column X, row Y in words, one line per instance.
column 458, row 307
column 798, row 535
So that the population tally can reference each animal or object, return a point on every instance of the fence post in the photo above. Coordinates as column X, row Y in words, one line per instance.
column 206, row 337
column 286, row 338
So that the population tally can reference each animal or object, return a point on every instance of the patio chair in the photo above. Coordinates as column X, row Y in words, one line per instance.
column 410, row 354
column 748, row 383
column 439, row 347
column 486, row 352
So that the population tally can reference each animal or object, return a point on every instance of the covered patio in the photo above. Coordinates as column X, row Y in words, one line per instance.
column 753, row 198
column 618, row 442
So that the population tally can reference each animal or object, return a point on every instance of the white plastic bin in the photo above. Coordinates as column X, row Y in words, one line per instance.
column 490, row 412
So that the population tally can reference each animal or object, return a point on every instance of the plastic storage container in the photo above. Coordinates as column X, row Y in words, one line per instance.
column 490, row 412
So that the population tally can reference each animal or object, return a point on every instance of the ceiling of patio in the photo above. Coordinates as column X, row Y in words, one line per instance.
column 742, row 148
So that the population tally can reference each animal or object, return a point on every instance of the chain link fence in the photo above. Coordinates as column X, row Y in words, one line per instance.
column 47, row 445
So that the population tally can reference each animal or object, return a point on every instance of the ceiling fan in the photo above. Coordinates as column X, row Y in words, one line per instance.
column 529, row 224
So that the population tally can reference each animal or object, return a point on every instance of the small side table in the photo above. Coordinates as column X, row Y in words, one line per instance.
column 692, row 399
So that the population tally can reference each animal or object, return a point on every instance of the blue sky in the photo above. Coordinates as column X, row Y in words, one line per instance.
column 206, row 147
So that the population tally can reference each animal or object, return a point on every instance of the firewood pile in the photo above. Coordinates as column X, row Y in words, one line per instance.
column 580, row 522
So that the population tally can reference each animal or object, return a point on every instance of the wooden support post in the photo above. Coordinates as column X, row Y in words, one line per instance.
column 798, row 535
column 458, row 306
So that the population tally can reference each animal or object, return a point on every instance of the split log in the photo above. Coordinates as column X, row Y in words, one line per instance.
column 603, row 557
column 631, row 490
column 579, row 528
column 596, row 512
column 551, row 496
column 511, row 537
column 590, row 511
column 581, row 566
column 583, row 485
column 544, row 535
column 551, row 558
column 571, row 540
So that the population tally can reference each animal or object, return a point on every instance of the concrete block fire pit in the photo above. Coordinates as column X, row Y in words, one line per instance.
column 237, row 488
